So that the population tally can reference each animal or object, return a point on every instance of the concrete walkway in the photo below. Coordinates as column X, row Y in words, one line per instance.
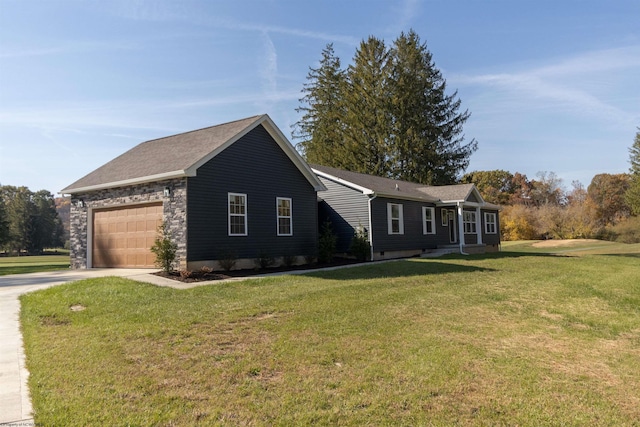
column 15, row 403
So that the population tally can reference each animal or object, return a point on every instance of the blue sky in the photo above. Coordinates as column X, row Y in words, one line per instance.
column 551, row 85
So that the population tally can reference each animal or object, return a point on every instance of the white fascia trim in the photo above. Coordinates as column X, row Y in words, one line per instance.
column 132, row 181
column 343, row 182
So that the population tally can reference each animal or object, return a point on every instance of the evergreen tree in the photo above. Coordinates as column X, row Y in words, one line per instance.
column 321, row 125
column 427, row 125
column 367, row 110
column 632, row 195
column 4, row 223
column 387, row 115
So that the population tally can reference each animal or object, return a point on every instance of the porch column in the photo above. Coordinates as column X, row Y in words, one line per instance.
column 479, row 225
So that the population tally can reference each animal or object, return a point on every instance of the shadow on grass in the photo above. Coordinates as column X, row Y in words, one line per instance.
column 630, row 255
column 4, row 271
column 400, row 268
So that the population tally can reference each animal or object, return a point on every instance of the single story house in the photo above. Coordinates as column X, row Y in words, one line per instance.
column 406, row 219
column 239, row 189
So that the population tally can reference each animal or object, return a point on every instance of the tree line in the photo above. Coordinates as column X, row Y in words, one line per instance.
column 29, row 222
column 609, row 208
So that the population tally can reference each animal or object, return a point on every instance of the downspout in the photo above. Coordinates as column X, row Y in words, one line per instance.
column 461, row 228
column 371, row 224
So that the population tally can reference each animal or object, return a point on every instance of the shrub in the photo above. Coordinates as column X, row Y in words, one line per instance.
column 360, row 246
column 310, row 259
column 264, row 260
column 164, row 248
column 185, row 274
column 327, row 243
column 289, row 260
column 228, row 260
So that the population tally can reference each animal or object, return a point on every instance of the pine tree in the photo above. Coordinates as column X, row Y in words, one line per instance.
column 389, row 114
column 632, row 195
column 427, row 124
column 321, row 124
column 367, row 110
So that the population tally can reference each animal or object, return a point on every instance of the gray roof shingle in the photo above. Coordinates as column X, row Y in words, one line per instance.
column 178, row 155
column 401, row 189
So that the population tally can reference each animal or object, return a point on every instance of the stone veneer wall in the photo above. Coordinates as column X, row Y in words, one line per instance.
column 174, row 207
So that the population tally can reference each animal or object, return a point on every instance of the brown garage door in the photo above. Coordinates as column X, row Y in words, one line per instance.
column 122, row 237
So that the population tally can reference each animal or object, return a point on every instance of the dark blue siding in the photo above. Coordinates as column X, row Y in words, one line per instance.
column 256, row 166
column 346, row 208
column 491, row 239
column 412, row 239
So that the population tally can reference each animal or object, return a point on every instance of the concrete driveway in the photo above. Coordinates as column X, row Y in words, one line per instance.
column 15, row 403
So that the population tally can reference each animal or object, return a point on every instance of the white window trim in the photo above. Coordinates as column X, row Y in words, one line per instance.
column 278, row 216
column 494, row 222
column 245, row 215
column 469, row 222
column 432, row 220
column 390, row 218
column 444, row 217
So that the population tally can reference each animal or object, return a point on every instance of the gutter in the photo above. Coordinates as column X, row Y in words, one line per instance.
column 371, row 224
column 461, row 228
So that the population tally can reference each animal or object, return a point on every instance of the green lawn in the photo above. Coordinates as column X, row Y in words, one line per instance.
column 516, row 338
column 33, row 264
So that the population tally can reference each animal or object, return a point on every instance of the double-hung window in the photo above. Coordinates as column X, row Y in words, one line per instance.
column 469, row 221
column 284, row 213
column 395, row 218
column 428, row 220
column 490, row 223
column 237, row 214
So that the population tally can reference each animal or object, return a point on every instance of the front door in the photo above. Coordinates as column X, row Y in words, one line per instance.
column 453, row 235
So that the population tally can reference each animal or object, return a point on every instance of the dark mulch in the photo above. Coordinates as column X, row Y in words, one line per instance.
column 203, row 276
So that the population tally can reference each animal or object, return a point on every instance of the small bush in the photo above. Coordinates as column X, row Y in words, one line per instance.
column 627, row 231
column 186, row 274
column 206, row 269
column 289, row 260
column 310, row 259
column 360, row 246
column 327, row 243
column 164, row 248
column 264, row 260
column 228, row 260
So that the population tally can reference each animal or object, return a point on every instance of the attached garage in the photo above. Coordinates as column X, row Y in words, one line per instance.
column 123, row 236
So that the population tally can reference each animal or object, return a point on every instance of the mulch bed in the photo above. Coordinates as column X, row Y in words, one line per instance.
column 203, row 276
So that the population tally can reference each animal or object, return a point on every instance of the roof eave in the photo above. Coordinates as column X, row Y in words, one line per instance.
column 126, row 182
column 349, row 184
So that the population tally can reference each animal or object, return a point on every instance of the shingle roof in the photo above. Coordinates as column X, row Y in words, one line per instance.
column 396, row 188
column 179, row 155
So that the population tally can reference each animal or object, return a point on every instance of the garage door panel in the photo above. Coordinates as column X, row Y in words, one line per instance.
column 122, row 237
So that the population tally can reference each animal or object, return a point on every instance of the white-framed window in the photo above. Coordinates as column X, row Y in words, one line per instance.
column 285, row 216
column 469, row 221
column 490, row 223
column 395, row 218
column 445, row 217
column 428, row 220
column 237, row 214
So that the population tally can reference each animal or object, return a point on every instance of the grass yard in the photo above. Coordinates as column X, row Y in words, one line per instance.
column 33, row 264
column 522, row 338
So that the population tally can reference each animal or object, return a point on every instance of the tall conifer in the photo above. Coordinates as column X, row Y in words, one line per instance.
column 389, row 115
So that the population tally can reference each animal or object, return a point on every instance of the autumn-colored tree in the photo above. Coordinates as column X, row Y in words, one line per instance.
column 518, row 222
column 496, row 186
column 606, row 193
